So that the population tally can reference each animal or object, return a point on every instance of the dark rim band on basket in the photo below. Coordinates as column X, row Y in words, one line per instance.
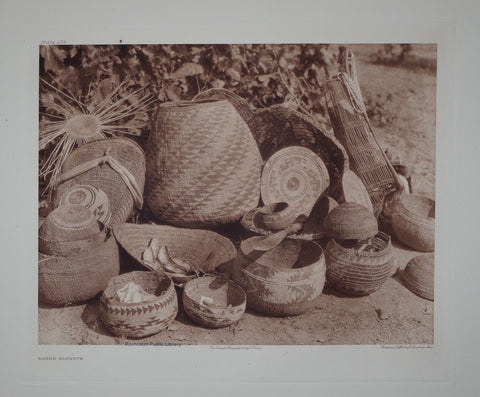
column 124, row 173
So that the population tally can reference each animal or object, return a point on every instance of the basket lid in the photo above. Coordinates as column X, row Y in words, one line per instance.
column 96, row 200
column 354, row 191
column 294, row 175
column 351, row 221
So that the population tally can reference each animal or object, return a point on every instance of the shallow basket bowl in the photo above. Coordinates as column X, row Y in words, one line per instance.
column 202, row 250
column 214, row 302
column 137, row 320
column 413, row 222
column 418, row 276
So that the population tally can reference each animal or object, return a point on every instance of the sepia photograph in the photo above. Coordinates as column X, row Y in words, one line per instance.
column 237, row 194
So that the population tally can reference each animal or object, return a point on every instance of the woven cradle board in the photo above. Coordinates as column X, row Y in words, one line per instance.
column 278, row 127
column 203, row 167
column 139, row 319
column 366, row 157
column 77, row 278
column 103, row 177
column 203, row 250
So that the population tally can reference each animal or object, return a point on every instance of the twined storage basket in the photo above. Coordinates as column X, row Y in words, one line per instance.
column 73, row 279
column 203, row 165
column 352, row 128
column 359, row 272
column 413, row 221
column 418, row 276
column 116, row 166
column 214, row 302
column 137, row 320
column 286, row 280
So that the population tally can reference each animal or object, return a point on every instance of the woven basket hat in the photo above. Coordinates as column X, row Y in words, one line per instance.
column 137, row 320
column 203, row 165
column 203, row 250
column 69, row 230
column 116, row 166
column 214, row 302
column 77, row 278
column 351, row 221
column 418, row 276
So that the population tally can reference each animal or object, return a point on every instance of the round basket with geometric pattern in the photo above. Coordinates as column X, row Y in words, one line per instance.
column 137, row 320
column 203, row 165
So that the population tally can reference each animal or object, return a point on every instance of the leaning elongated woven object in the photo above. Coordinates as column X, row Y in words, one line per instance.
column 116, row 166
column 353, row 129
column 203, row 165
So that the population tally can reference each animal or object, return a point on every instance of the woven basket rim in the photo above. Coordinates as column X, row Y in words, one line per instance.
column 402, row 208
column 321, row 258
column 383, row 237
column 180, row 105
column 144, row 274
column 90, row 254
column 203, row 280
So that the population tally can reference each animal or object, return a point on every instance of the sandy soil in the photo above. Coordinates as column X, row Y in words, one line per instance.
column 404, row 101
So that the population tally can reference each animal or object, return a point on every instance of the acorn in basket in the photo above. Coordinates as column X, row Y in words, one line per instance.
column 359, row 258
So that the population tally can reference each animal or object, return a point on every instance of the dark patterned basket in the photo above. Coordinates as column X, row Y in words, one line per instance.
column 62, row 281
column 356, row 272
column 286, row 280
column 123, row 189
column 203, row 165
column 137, row 320
column 214, row 302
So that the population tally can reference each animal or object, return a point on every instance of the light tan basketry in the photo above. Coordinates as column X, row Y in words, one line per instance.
column 137, row 320
column 413, row 221
column 358, row 272
column 352, row 128
column 202, row 250
column 203, row 165
column 214, row 302
column 350, row 221
column 73, row 279
column 69, row 230
column 116, row 166
column 418, row 276
column 286, row 280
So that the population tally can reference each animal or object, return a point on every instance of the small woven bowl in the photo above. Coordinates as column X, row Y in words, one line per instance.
column 275, row 216
column 413, row 222
column 137, row 320
column 418, row 276
column 351, row 221
column 214, row 302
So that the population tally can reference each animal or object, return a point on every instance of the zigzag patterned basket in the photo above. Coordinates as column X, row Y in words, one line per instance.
column 203, row 165
column 137, row 320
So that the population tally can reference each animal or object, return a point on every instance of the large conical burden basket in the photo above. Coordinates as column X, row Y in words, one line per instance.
column 203, row 165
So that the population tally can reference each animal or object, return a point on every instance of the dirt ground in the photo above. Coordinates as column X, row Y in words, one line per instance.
column 403, row 99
